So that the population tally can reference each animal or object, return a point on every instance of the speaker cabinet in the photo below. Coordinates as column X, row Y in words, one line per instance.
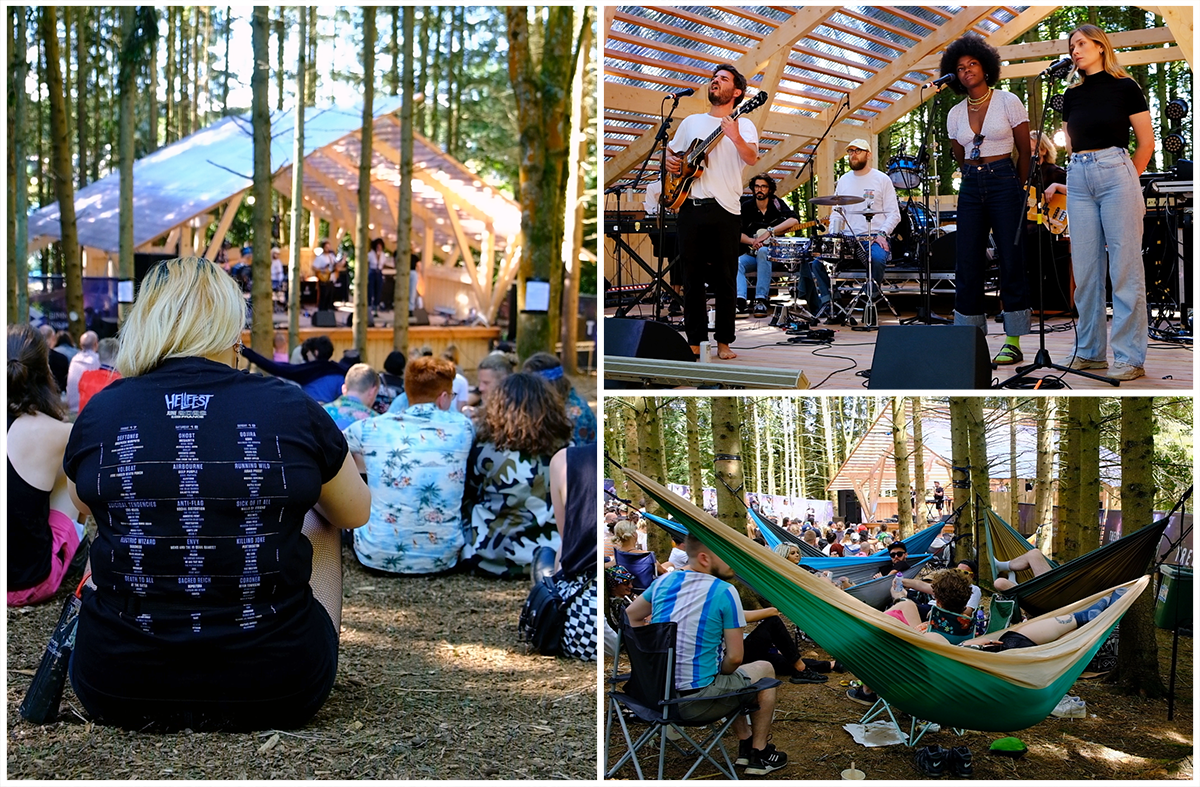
column 848, row 506
column 930, row 356
column 644, row 339
column 324, row 318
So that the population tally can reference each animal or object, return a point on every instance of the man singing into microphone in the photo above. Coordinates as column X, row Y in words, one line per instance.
column 710, row 218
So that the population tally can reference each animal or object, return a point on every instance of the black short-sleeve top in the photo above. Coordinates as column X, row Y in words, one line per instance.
column 199, row 477
column 1097, row 111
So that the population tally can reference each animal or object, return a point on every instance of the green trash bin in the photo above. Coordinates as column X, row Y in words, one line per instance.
column 1174, row 598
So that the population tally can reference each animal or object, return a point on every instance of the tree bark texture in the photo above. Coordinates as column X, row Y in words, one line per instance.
column 900, row 455
column 18, row 177
column 262, row 326
column 980, row 477
column 297, row 234
column 695, row 482
column 128, row 88
column 960, row 478
column 1043, row 492
column 727, row 463
column 404, row 207
column 918, row 461
column 575, row 198
column 1089, row 487
column 362, row 229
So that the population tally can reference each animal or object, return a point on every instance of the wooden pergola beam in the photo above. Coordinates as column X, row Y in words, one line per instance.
column 1179, row 20
column 231, row 209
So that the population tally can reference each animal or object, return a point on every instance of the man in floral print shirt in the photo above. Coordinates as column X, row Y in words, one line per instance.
column 416, row 466
column 358, row 394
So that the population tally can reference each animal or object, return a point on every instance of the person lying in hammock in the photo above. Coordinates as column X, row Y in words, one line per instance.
column 1040, row 632
column 967, row 566
column 1033, row 560
column 791, row 553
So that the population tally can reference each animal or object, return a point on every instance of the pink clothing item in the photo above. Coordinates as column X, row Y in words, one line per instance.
column 66, row 541
column 898, row 615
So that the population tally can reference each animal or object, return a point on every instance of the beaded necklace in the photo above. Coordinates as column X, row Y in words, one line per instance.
column 976, row 104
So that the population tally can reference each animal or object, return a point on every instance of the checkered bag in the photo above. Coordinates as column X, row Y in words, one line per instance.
column 549, row 615
column 579, row 637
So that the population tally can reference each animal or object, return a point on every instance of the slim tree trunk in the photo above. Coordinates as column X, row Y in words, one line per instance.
column 280, row 40
column 756, row 418
column 1042, row 485
column 194, row 123
column 394, row 53
column 1014, row 501
column 422, row 86
column 431, row 131
column 575, row 200
column 151, row 99
column 169, row 135
column 1089, row 487
column 82, row 17
column 831, row 462
column 262, row 322
column 404, row 208
column 693, row 452
column 18, row 176
column 128, row 88
column 633, row 438
column 362, row 234
column 311, row 82
column 1137, row 661
column 960, row 477
column 1070, row 478
column 919, row 482
column 225, row 73
column 900, row 454
column 297, row 235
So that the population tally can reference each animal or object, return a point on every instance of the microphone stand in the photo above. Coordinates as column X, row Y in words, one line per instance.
column 1042, row 359
column 925, row 313
column 845, row 105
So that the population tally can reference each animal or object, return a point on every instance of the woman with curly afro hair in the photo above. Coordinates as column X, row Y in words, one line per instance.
column 984, row 130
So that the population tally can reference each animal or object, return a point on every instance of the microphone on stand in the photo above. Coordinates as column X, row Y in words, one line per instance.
column 678, row 94
column 942, row 80
column 1058, row 68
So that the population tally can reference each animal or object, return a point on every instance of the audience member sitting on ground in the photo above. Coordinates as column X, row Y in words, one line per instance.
column 583, row 420
column 416, row 465
column 86, row 359
column 215, row 598
column 391, row 383
column 677, row 561
column 358, row 394
column 492, row 369
column 319, row 377
column 280, row 347
column 506, row 511
column 771, row 641
column 65, row 345
column 93, row 381
column 1032, row 560
column 710, row 650
column 60, row 364
column 573, row 494
column 43, row 534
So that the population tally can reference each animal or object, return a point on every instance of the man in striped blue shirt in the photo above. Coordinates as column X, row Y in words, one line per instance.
column 709, row 650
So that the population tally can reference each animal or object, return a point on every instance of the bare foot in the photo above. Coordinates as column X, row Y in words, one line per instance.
column 724, row 353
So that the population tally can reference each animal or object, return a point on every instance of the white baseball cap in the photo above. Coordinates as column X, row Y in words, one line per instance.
column 860, row 143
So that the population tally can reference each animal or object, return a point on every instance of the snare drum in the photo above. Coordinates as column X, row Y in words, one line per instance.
column 789, row 251
column 904, row 172
column 836, row 247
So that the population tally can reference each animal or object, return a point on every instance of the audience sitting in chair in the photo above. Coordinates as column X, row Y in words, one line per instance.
column 710, row 650
column 625, row 538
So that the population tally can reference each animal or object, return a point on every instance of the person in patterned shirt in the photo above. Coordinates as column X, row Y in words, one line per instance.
column 358, row 394
column 583, row 420
column 416, row 465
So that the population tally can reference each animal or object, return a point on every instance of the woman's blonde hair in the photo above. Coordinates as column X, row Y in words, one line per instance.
column 1045, row 146
column 1108, row 56
column 186, row 308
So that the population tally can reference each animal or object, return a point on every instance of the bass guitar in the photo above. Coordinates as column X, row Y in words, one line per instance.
column 676, row 189
column 1054, row 211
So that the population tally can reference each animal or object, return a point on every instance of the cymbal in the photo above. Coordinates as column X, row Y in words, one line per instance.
column 836, row 199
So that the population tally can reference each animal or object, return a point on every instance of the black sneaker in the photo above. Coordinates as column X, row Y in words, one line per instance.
column 931, row 761
column 763, row 761
column 863, row 697
column 761, row 308
column 744, row 749
column 808, row 676
column 742, row 306
column 960, row 761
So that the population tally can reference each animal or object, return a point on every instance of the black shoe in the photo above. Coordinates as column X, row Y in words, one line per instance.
column 838, row 666
column 862, row 697
column 742, row 306
column 744, row 749
column 931, row 761
column 763, row 761
column 808, row 676
column 960, row 761
column 761, row 307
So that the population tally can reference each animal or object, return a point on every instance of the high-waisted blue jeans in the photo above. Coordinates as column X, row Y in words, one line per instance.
column 991, row 199
column 1105, row 208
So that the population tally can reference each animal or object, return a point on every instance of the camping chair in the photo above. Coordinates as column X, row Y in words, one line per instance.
column 643, row 566
column 650, row 695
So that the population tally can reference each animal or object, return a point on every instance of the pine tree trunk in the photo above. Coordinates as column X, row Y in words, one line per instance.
column 960, row 478
column 727, row 463
column 574, row 200
column 431, row 130
column 1137, row 661
column 128, row 87
column 422, row 86
column 206, row 74
column 362, row 229
column 394, row 52
column 831, row 461
column 297, row 234
column 262, row 322
column 280, row 40
column 919, row 482
column 169, row 135
column 756, row 417
column 695, row 482
column 404, row 212
column 194, row 117
column 64, row 187
column 633, row 454
column 980, row 478
column 1014, row 486
column 1043, row 491
column 1070, row 478
column 900, row 455
column 225, row 74
column 82, row 17
column 18, row 176
column 311, row 81
column 151, row 99
column 1089, row 487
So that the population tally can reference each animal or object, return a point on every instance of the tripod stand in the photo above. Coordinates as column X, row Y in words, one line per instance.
column 925, row 315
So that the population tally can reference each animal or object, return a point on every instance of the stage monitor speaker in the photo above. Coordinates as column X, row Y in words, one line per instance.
column 419, row 316
column 644, row 339
column 324, row 318
column 848, row 506
column 930, row 356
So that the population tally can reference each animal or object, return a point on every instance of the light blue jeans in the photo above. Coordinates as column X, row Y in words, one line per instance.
column 1106, row 208
column 759, row 262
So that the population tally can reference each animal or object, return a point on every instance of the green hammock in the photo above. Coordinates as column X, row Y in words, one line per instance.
column 958, row 687
column 1118, row 561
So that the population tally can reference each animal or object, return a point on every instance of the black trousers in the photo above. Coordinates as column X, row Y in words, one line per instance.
column 709, row 239
column 771, row 635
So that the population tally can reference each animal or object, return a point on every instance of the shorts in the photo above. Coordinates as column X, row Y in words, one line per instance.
column 898, row 615
column 715, row 709
column 64, row 536
column 1010, row 640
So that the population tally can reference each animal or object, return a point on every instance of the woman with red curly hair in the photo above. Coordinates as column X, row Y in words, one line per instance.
column 507, row 510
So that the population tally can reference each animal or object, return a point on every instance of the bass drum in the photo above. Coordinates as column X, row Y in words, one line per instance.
column 915, row 222
column 945, row 252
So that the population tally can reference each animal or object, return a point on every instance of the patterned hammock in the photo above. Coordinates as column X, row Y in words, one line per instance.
column 953, row 686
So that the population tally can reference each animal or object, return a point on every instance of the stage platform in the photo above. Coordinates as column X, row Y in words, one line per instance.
column 836, row 366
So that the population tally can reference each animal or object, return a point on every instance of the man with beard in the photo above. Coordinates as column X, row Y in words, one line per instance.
column 709, row 650
column 762, row 210
column 710, row 218
column 879, row 198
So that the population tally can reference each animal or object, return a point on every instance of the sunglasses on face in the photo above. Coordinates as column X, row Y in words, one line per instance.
column 976, row 142
column 895, row 555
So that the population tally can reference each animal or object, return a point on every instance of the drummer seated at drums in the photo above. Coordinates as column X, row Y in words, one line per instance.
column 872, row 219
column 764, row 216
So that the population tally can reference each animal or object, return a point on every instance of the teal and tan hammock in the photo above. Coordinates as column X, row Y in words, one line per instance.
column 953, row 686
column 1114, row 563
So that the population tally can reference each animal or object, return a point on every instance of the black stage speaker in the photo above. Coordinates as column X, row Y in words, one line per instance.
column 930, row 356
column 324, row 318
column 1055, row 269
column 644, row 339
column 848, row 506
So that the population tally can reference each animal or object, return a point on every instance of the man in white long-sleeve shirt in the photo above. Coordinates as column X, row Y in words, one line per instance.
column 879, row 197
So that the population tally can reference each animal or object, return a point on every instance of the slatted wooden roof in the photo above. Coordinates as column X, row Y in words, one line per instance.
column 858, row 67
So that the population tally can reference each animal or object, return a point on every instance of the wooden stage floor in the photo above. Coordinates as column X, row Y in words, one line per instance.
column 834, row 367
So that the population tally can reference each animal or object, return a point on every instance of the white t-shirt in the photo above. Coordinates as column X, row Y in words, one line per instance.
column 722, row 176
column 1005, row 112
column 678, row 558
column 880, row 195
column 276, row 269
column 460, row 390
column 375, row 260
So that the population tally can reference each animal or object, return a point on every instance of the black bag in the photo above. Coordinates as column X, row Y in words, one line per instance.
column 544, row 615
column 40, row 705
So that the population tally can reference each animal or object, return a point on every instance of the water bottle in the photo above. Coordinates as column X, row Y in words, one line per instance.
column 40, row 705
column 980, row 622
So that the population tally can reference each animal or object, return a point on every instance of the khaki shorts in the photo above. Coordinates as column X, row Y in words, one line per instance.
column 715, row 709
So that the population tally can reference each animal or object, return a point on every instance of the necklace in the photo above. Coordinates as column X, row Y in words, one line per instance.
column 982, row 99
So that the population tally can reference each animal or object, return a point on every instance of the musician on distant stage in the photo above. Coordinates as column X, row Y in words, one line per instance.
column 323, row 266
column 710, row 221
column 984, row 131
column 1101, row 105
column 1055, row 252
column 761, row 210
column 879, row 198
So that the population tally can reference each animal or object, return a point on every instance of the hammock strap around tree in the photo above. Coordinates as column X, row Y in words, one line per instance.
column 928, row 679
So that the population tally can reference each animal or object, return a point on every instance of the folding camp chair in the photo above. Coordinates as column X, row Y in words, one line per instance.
column 649, row 694
column 643, row 566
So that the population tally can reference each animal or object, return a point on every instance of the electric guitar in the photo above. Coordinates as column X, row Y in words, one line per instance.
column 1055, row 217
column 676, row 189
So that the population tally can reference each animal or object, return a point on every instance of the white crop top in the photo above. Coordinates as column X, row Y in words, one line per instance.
column 1005, row 113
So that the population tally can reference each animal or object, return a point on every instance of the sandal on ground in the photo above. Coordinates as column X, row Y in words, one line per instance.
column 1008, row 355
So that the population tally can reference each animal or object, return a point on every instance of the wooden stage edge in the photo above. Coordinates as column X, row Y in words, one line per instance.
column 472, row 341
column 833, row 367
